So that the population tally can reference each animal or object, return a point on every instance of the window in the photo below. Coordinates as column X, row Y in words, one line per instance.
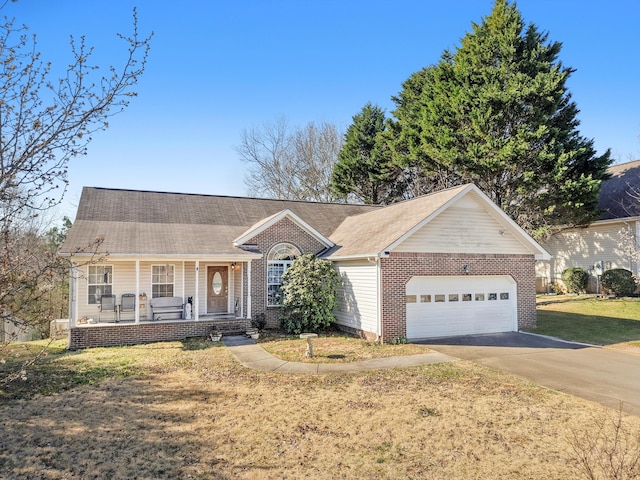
column 453, row 297
column 100, row 282
column 278, row 260
column 466, row 297
column 504, row 296
column 411, row 299
column 440, row 298
column 162, row 278
column 493, row 296
column 479, row 297
column 425, row 298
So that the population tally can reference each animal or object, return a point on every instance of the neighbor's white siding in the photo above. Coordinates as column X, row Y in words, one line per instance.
column 464, row 227
column 584, row 247
column 357, row 295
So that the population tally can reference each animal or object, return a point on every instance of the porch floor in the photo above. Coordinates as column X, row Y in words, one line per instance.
column 226, row 323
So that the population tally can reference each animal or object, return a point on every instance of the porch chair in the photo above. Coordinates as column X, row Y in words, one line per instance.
column 127, row 303
column 107, row 305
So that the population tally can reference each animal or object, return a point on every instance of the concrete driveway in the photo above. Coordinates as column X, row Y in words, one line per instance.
column 594, row 373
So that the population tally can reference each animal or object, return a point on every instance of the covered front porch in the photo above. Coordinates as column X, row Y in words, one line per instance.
column 124, row 301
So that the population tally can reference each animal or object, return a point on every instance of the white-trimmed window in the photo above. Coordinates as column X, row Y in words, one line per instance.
column 278, row 260
column 162, row 280
column 100, row 282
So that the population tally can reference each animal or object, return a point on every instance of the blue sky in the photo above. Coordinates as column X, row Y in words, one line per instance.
column 217, row 67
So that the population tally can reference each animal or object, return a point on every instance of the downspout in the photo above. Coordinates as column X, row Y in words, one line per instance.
column 638, row 248
column 376, row 260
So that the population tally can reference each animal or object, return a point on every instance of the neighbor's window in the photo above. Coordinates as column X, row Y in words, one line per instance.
column 100, row 282
column 278, row 260
column 162, row 280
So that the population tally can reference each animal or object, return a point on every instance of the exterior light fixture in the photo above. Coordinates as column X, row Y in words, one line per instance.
column 465, row 269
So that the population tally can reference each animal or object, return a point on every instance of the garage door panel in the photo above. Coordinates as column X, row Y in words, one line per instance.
column 472, row 305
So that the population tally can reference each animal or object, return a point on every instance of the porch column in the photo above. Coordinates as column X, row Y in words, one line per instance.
column 137, row 312
column 249, row 289
column 196, row 300
column 73, row 301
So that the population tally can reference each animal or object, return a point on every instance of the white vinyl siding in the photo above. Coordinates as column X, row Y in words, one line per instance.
column 464, row 227
column 357, row 295
column 584, row 247
column 124, row 281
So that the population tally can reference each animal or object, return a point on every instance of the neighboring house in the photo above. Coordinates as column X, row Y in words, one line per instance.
column 449, row 263
column 17, row 331
column 604, row 244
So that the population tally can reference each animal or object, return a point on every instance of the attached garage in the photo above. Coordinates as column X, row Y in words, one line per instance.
column 460, row 305
column 444, row 264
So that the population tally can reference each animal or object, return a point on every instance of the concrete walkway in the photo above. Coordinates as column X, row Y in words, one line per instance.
column 254, row 356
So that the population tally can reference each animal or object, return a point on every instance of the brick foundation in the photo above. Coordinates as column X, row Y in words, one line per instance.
column 398, row 269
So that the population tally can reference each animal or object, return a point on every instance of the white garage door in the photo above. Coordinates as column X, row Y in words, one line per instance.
column 464, row 305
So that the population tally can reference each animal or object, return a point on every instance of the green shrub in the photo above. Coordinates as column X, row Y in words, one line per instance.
column 619, row 281
column 309, row 288
column 575, row 279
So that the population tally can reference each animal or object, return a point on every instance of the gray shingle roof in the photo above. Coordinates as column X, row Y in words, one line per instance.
column 157, row 223
column 372, row 232
column 615, row 194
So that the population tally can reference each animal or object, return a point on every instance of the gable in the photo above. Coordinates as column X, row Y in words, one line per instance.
column 467, row 226
column 269, row 222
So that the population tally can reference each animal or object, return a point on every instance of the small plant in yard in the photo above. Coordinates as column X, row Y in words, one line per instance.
column 607, row 449
column 575, row 279
column 259, row 322
column 398, row 341
column 619, row 281
column 428, row 412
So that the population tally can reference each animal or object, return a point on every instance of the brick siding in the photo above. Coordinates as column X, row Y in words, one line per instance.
column 284, row 231
column 398, row 269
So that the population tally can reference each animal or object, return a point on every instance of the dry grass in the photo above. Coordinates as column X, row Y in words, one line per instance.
column 333, row 348
column 193, row 412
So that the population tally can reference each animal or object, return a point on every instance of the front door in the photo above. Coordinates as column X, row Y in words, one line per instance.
column 217, row 289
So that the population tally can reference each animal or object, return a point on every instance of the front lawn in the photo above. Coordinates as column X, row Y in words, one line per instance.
column 590, row 320
column 189, row 410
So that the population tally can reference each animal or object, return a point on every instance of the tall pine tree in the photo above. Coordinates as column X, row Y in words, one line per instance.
column 497, row 112
column 364, row 171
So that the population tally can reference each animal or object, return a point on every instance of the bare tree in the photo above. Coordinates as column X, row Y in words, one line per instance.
column 44, row 122
column 292, row 165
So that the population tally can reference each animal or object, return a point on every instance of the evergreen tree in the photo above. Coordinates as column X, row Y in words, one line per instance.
column 364, row 171
column 496, row 112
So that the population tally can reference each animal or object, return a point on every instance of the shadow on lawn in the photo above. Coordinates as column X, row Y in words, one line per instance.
column 593, row 329
column 136, row 428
